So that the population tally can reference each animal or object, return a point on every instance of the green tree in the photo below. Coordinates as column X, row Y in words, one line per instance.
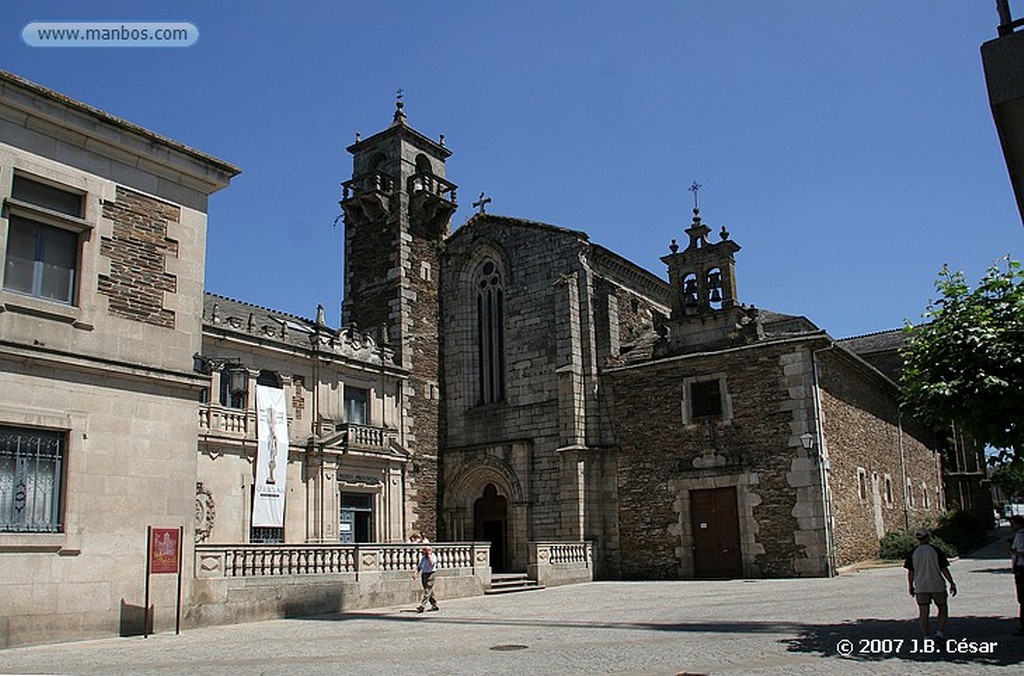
column 1010, row 478
column 965, row 363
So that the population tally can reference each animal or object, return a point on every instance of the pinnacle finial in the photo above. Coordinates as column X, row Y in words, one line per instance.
column 399, row 108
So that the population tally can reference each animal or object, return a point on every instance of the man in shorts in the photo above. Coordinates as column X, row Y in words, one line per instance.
column 927, row 574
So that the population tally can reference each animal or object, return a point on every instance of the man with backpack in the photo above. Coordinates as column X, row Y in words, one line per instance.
column 927, row 574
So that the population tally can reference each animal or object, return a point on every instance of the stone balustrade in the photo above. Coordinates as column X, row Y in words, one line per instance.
column 247, row 582
column 556, row 563
column 425, row 181
column 364, row 436
column 234, row 421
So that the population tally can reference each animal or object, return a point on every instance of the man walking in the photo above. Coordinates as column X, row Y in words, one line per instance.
column 1017, row 564
column 927, row 574
column 427, row 567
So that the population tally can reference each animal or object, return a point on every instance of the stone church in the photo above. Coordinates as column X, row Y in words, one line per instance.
column 510, row 388
column 559, row 392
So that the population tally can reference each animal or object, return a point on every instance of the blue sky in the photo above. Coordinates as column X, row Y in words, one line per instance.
column 847, row 145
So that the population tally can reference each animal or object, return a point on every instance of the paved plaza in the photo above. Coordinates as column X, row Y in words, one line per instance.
column 738, row 626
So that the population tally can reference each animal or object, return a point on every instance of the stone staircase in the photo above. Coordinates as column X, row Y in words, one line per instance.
column 507, row 583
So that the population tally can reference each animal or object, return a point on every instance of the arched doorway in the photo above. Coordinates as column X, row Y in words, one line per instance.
column 490, row 524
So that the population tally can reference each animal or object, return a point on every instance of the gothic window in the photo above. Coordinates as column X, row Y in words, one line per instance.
column 862, row 484
column 888, row 490
column 31, row 480
column 490, row 332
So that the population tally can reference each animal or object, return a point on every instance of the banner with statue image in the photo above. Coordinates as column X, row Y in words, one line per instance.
column 271, row 458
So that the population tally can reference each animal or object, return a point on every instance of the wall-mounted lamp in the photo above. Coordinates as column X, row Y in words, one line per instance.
column 807, row 441
column 237, row 374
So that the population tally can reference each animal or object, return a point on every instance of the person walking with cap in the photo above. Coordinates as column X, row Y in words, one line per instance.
column 927, row 574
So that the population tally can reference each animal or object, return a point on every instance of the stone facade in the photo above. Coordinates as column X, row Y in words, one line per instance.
column 97, row 427
column 598, row 434
column 511, row 383
column 397, row 210
column 347, row 470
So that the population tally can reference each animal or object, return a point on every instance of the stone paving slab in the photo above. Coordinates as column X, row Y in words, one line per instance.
column 737, row 626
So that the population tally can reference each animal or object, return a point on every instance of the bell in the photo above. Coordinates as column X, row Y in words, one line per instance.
column 716, row 294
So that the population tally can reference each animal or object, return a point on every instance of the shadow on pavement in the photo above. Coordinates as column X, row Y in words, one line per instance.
column 975, row 640
column 972, row 640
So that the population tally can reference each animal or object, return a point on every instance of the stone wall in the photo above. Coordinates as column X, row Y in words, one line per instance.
column 866, row 438
column 751, row 448
column 137, row 248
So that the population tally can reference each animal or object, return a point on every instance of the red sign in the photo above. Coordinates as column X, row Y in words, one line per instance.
column 163, row 550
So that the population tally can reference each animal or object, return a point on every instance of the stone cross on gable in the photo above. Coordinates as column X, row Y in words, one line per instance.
column 482, row 202
column 695, row 188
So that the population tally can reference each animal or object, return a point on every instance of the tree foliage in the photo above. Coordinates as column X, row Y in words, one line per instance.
column 1010, row 478
column 965, row 363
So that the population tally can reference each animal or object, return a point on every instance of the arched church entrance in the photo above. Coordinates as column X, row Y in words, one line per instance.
column 490, row 524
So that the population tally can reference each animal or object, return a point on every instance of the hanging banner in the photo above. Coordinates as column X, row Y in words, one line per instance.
column 163, row 550
column 271, row 458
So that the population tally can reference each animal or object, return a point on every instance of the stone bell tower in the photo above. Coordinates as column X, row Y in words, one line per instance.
column 705, row 311
column 398, row 208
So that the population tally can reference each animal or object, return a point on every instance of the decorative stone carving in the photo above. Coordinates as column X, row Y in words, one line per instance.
column 205, row 512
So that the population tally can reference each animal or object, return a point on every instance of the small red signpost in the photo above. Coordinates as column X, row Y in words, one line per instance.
column 163, row 555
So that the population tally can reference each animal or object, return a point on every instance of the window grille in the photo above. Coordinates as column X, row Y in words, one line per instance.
column 31, row 480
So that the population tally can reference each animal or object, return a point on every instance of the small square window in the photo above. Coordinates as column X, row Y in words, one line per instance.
column 705, row 399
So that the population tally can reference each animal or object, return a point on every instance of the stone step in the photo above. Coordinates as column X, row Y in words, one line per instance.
column 507, row 583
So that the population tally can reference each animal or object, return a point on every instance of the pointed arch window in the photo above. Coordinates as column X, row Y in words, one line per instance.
column 490, row 329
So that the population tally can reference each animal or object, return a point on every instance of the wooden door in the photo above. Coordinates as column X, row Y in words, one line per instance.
column 716, row 533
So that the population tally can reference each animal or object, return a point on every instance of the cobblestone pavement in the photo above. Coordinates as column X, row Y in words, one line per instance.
column 738, row 626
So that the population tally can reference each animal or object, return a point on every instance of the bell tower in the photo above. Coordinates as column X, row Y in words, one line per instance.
column 705, row 311
column 398, row 207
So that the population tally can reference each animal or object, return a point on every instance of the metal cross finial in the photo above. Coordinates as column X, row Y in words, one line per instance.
column 482, row 202
column 400, row 94
column 694, row 188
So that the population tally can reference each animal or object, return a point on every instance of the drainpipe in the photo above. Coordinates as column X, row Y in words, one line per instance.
column 819, row 440
column 903, row 469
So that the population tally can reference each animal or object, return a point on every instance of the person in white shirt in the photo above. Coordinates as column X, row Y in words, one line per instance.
column 427, row 568
column 927, row 574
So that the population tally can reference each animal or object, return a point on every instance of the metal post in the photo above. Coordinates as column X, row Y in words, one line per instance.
column 145, row 606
